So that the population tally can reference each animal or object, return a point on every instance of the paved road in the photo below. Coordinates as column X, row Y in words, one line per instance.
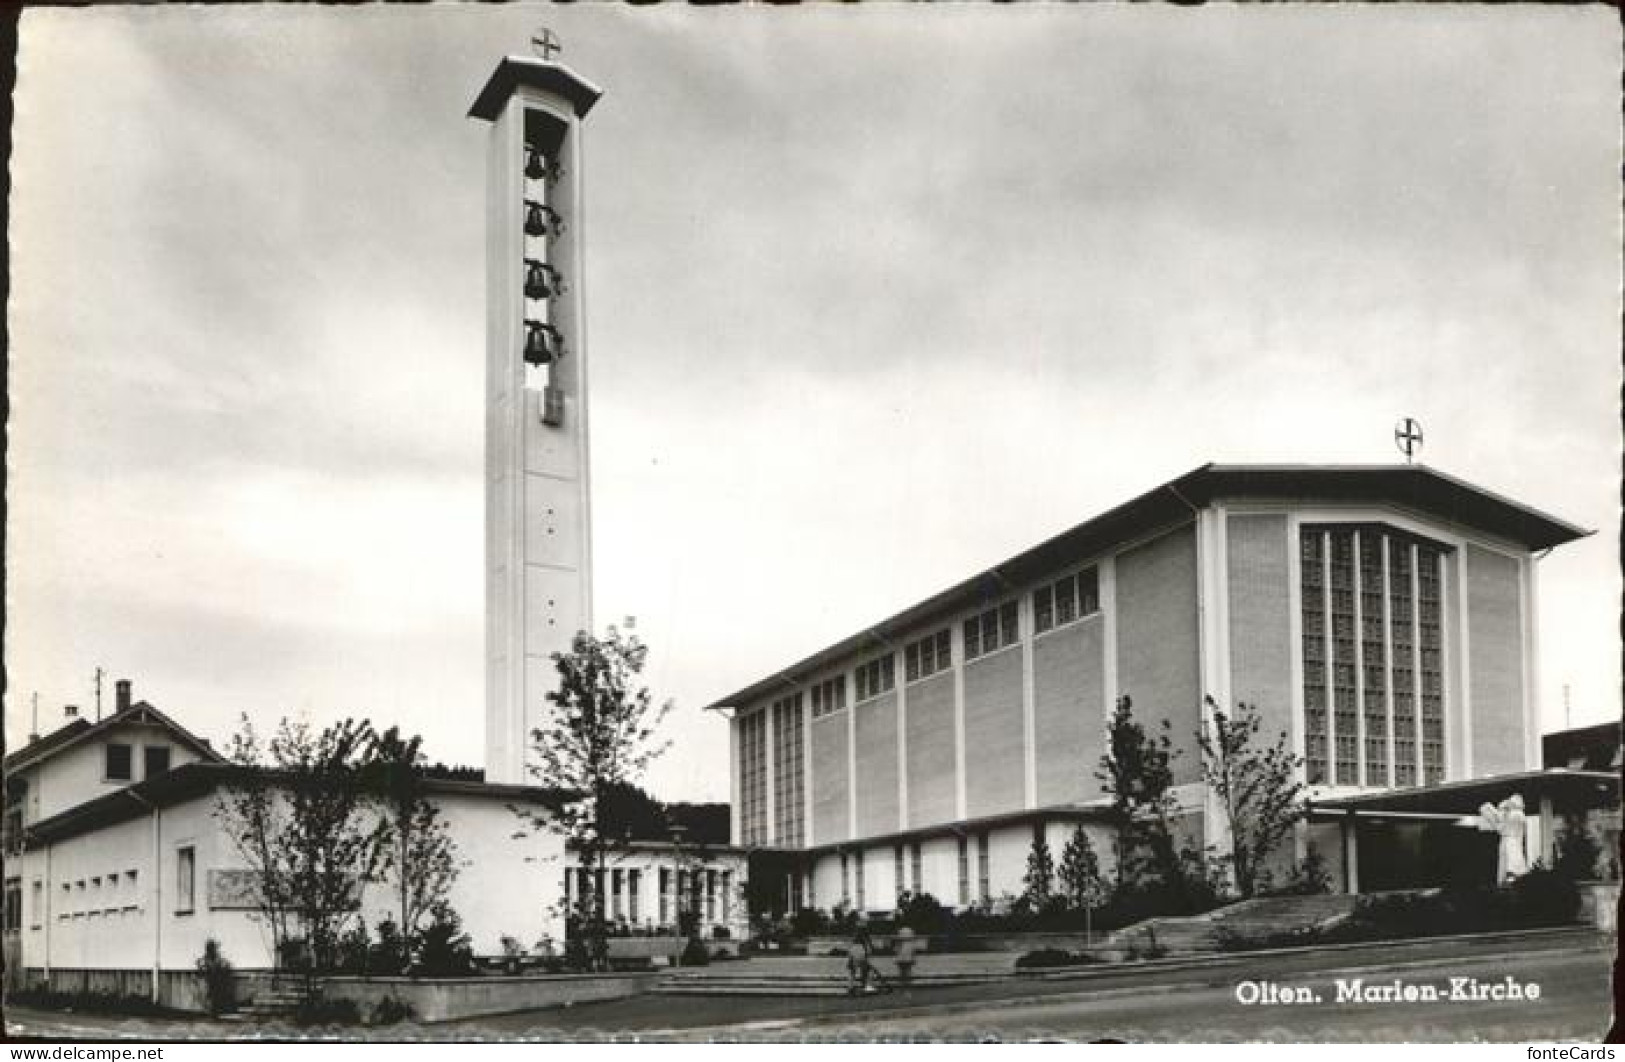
column 1193, row 1004
column 1574, row 1004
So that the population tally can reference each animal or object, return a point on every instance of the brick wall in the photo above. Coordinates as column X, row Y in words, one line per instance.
column 876, row 781
column 1260, row 619
column 1157, row 640
column 829, row 771
column 931, row 787
column 995, row 764
column 1495, row 656
column 1069, row 711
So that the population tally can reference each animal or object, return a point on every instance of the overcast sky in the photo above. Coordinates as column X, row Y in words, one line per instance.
column 877, row 297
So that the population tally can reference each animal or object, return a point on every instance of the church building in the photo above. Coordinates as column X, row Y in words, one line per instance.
column 1382, row 617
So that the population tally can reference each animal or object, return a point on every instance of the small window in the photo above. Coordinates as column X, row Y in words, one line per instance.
column 155, row 760
column 927, row 656
column 118, row 763
column 1066, row 600
column 875, row 677
column 185, row 879
column 992, row 630
column 829, row 696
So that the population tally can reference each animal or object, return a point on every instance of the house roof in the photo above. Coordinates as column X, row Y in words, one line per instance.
column 1414, row 487
column 192, row 780
column 64, row 738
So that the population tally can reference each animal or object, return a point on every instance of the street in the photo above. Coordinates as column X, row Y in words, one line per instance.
column 1194, row 1004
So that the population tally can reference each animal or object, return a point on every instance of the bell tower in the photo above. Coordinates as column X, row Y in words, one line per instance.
column 538, row 550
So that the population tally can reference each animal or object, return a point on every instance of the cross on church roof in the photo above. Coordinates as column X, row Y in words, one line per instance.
column 546, row 43
column 1408, row 437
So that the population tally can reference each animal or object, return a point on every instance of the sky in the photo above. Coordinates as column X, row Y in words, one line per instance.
column 877, row 297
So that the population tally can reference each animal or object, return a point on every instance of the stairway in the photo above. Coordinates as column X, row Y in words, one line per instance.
column 274, row 1004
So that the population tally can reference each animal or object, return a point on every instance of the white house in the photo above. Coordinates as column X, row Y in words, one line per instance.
column 116, row 860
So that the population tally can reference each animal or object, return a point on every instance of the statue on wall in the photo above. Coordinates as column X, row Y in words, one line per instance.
column 1507, row 819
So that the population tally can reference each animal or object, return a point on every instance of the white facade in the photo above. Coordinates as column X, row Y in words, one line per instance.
column 115, row 869
column 645, row 885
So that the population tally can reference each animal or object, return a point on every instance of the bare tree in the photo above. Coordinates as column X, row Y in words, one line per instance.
column 296, row 814
column 1257, row 785
column 599, row 734
column 416, row 850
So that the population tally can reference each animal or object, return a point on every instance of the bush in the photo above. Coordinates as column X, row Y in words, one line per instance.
column 390, row 1011
column 1051, row 958
column 1308, row 878
column 446, row 950
column 1545, row 898
column 91, row 1003
column 922, row 912
column 219, row 980
column 321, row 1011
column 694, row 953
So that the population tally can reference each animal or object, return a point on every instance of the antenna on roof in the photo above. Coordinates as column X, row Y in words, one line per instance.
column 1408, row 437
column 99, row 674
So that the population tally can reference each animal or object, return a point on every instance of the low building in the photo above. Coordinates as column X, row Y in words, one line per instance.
column 116, row 860
column 659, row 887
column 1382, row 617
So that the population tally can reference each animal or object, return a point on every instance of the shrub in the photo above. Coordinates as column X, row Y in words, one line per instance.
column 446, row 949
column 1544, row 898
column 694, row 953
column 1050, row 958
column 91, row 1003
column 353, row 952
column 318, row 1010
column 1308, row 878
column 809, row 922
column 390, row 1011
column 1577, row 850
column 219, row 980
column 922, row 912
column 391, row 953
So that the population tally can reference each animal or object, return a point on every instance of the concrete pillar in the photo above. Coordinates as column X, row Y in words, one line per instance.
column 1351, row 854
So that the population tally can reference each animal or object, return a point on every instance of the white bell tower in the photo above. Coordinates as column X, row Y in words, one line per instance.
column 538, row 543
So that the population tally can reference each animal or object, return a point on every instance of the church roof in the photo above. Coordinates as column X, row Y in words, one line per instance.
column 1417, row 488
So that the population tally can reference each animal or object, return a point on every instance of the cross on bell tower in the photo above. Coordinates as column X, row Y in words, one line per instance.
column 538, row 550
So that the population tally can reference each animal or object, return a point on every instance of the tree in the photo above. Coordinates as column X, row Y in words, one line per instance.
column 1136, row 771
column 416, row 851
column 295, row 812
column 1037, row 882
column 599, row 734
column 1257, row 786
column 1079, row 873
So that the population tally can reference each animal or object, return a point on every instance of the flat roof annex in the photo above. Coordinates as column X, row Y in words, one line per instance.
column 1415, row 487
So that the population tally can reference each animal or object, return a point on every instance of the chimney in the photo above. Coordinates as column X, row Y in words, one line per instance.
column 70, row 711
column 121, row 695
